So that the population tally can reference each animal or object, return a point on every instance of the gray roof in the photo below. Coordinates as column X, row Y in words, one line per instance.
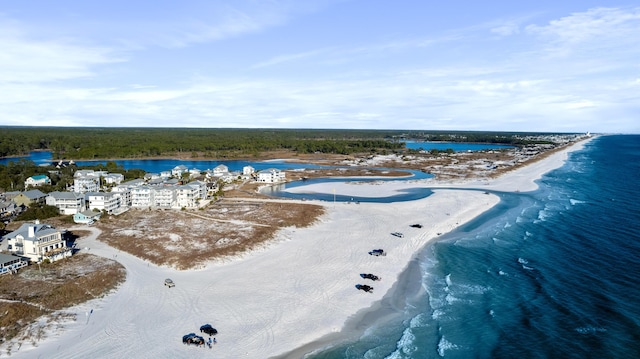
column 5, row 204
column 34, row 193
column 90, row 213
column 65, row 195
column 7, row 258
column 40, row 230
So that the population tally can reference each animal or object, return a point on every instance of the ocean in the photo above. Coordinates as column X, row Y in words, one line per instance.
column 553, row 273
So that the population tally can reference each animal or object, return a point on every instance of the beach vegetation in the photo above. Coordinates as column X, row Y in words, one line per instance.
column 188, row 239
column 38, row 211
column 49, row 288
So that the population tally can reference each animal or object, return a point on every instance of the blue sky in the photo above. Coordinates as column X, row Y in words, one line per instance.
column 553, row 66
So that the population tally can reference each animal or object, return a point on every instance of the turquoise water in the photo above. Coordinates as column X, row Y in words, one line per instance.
column 553, row 273
column 455, row 146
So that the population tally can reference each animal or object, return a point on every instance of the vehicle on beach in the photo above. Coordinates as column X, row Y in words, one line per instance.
column 169, row 283
column 208, row 329
column 417, row 225
column 192, row 338
column 364, row 287
column 397, row 234
column 378, row 252
column 370, row 276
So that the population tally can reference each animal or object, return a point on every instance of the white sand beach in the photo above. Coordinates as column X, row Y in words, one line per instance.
column 271, row 302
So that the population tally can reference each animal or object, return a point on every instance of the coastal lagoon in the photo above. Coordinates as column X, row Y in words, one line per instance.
column 455, row 146
column 159, row 165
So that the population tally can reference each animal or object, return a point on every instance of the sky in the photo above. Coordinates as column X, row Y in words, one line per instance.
column 548, row 66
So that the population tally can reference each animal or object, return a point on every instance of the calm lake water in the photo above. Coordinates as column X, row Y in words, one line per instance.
column 159, row 165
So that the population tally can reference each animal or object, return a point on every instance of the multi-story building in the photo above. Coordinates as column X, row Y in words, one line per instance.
column 164, row 197
column 142, row 197
column 37, row 242
column 67, row 202
column 187, row 196
column 271, row 175
column 103, row 201
column 86, row 184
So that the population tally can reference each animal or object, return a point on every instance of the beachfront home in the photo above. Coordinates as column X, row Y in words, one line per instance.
column 142, row 197
column 37, row 242
column 271, row 175
column 86, row 217
column 125, row 196
column 67, row 202
column 28, row 198
column 187, row 196
column 103, row 201
column 10, row 263
column 35, row 181
column 164, row 197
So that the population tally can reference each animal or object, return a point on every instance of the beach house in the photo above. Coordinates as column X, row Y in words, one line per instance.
column 66, row 202
column 35, row 181
column 86, row 217
column 88, row 183
column 10, row 263
column 30, row 197
column 103, row 201
column 37, row 242
column 220, row 170
column 271, row 175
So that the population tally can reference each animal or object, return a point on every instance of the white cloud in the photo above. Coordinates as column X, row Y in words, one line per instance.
column 24, row 59
column 459, row 80
column 580, row 104
column 593, row 30
column 506, row 29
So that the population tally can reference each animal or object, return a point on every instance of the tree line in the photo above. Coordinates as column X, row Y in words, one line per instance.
column 108, row 143
column 68, row 143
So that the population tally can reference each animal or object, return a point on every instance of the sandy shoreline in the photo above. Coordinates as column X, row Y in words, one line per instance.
column 408, row 282
column 293, row 297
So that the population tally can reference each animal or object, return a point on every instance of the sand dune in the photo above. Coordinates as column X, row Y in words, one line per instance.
column 277, row 300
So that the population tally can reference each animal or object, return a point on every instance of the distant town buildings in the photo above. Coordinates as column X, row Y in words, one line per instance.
column 104, row 192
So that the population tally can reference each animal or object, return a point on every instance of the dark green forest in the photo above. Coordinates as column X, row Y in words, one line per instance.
column 68, row 143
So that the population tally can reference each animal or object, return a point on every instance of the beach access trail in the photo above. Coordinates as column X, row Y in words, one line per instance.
column 272, row 301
